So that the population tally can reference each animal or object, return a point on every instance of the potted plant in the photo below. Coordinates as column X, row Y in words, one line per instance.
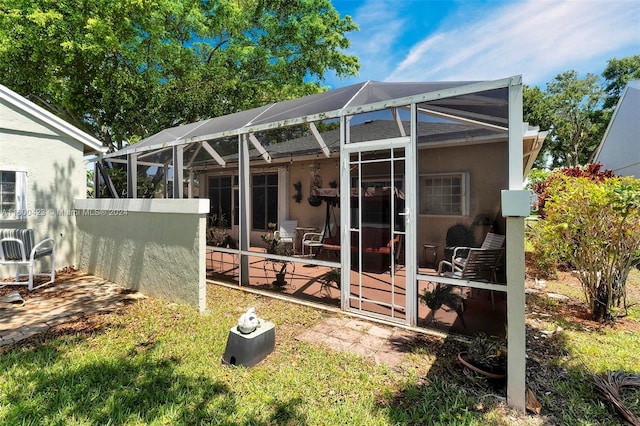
column 443, row 295
column 275, row 247
column 333, row 276
column 486, row 355
column 218, row 234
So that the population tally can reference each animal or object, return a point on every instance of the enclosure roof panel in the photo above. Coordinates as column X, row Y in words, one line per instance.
column 486, row 105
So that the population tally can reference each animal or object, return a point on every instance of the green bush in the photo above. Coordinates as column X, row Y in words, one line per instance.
column 593, row 226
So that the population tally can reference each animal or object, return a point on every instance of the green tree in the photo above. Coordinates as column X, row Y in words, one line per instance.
column 573, row 103
column 124, row 69
column 537, row 112
column 617, row 74
column 593, row 226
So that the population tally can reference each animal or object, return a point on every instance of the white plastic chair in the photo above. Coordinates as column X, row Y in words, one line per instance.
column 286, row 233
column 315, row 239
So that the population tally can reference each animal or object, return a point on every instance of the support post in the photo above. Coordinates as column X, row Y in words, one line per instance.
column 178, row 171
column 245, row 204
column 96, row 179
column 132, row 176
column 515, row 212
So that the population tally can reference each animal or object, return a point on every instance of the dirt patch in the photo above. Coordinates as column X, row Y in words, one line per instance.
column 63, row 275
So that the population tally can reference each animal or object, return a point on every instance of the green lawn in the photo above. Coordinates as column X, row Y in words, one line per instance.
column 154, row 362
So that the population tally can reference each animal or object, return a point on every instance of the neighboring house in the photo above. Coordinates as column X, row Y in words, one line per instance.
column 620, row 146
column 41, row 173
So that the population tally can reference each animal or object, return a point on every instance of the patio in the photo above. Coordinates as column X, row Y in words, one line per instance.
column 308, row 283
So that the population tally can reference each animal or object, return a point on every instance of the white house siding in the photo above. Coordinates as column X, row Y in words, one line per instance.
column 56, row 175
column 620, row 147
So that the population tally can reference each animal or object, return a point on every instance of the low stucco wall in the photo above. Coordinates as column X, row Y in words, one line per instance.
column 155, row 246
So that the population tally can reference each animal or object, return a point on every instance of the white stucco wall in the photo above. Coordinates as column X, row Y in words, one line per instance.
column 56, row 176
column 155, row 246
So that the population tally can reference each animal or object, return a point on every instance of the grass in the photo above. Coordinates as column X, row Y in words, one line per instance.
column 159, row 363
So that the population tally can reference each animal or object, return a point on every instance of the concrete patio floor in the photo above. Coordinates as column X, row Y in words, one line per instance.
column 483, row 312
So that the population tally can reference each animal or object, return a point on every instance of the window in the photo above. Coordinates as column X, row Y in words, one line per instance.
column 444, row 194
column 13, row 200
column 220, row 206
column 264, row 200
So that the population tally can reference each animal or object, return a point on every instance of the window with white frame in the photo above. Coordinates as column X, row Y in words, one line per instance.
column 13, row 199
column 444, row 194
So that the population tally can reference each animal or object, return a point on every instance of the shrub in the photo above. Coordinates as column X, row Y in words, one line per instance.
column 541, row 182
column 592, row 224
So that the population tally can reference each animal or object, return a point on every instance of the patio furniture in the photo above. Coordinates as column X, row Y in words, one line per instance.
column 17, row 248
column 458, row 235
column 301, row 232
column 433, row 248
column 316, row 239
column 286, row 233
column 480, row 265
column 491, row 241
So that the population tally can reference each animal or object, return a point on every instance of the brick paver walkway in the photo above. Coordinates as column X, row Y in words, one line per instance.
column 383, row 344
column 63, row 302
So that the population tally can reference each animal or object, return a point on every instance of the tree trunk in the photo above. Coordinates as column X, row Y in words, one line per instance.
column 601, row 308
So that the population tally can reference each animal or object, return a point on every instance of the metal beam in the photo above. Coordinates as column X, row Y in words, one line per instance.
column 107, row 179
column 140, row 163
column 212, row 152
column 319, row 139
column 463, row 120
column 244, row 187
column 96, row 180
column 256, row 143
column 165, row 168
column 193, row 157
column 516, row 332
column 146, row 154
column 396, row 116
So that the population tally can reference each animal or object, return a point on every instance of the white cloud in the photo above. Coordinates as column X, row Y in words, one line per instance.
column 538, row 39
column 380, row 23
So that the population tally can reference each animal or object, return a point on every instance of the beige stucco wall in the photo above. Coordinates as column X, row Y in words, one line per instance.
column 486, row 165
column 155, row 246
column 306, row 214
column 56, row 176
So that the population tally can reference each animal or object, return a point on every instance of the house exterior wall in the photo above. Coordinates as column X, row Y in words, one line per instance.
column 488, row 175
column 56, row 176
column 303, row 212
column 155, row 246
column 306, row 214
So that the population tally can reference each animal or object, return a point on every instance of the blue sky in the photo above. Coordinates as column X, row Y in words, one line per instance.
column 434, row 40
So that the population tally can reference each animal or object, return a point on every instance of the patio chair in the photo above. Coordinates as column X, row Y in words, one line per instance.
column 458, row 235
column 313, row 240
column 480, row 265
column 491, row 242
column 286, row 233
column 18, row 248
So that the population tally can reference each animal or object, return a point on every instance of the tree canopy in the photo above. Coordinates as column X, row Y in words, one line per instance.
column 124, row 69
column 577, row 110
